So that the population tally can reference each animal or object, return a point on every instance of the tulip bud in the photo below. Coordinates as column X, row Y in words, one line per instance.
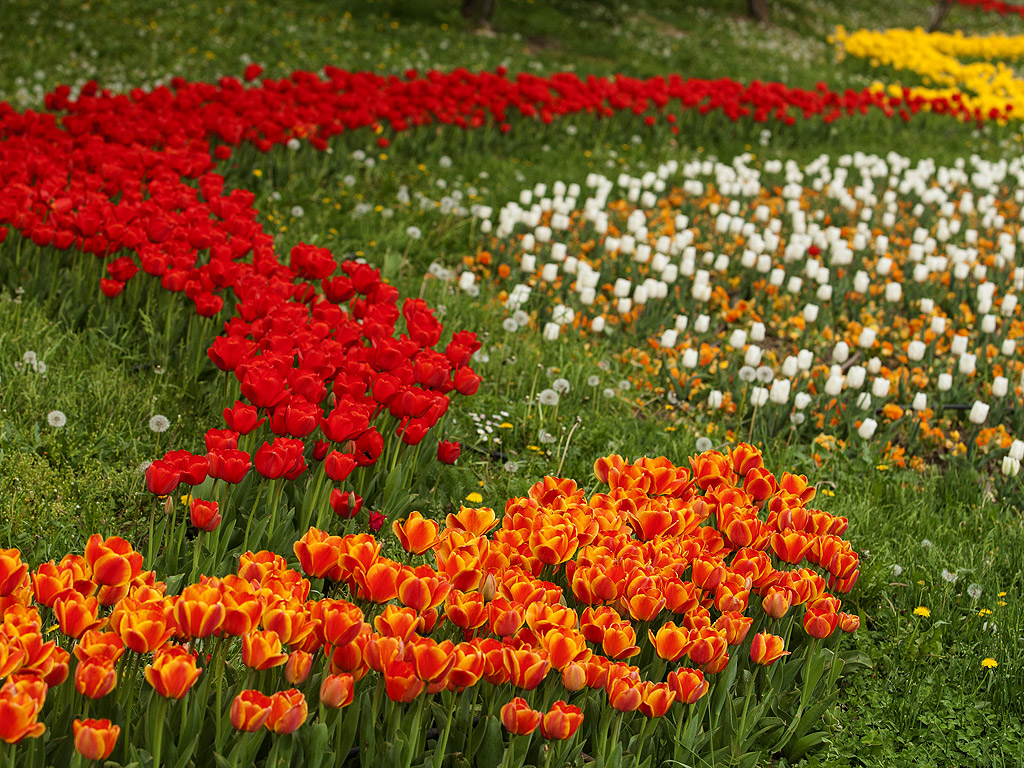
column 296, row 670
column 337, row 691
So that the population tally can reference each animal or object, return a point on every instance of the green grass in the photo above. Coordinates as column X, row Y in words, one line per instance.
column 922, row 697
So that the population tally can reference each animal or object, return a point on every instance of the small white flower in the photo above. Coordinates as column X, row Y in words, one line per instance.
column 56, row 419
column 974, row 591
column 159, row 423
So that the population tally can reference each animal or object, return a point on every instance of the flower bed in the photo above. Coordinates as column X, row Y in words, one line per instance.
column 699, row 597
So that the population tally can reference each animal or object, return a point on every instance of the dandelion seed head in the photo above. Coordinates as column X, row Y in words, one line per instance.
column 974, row 591
column 56, row 419
column 548, row 397
column 949, row 577
column 159, row 423
column 561, row 385
column 593, row 380
column 703, row 444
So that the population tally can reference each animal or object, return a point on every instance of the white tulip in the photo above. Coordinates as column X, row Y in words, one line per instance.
column 979, row 412
column 867, row 428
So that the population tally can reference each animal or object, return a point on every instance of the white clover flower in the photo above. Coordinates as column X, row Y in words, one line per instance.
column 159, row 423
column 56, row 419
column 548, row 397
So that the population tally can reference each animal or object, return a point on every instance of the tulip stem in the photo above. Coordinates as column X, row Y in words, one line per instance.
column 742, row 732
column 252, row 514
column 158, row 737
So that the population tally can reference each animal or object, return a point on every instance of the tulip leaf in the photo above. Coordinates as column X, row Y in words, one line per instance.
column 493, row 746
column 803, row 745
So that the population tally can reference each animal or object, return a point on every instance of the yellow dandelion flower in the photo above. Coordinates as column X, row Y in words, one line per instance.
column 922, row 611
column 504, row 425
column 989, row 663
column 474, row 497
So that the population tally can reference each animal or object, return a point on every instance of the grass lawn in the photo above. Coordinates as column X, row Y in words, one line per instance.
column 946, row 537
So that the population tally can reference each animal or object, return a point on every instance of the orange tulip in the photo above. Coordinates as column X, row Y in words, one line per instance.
column 646, row 605
column 687, row 684
column 288, row 710
column 173, row 671
column 526, row 668
column 250, row 710
column 21, row 699
column 261, row 649
column 467, row 669
column 671, row 642
column 476, row 521
column 337, row 691
column 243, row 608
column 13, row 572
column 199, row 610
column 417, row 534
column 623, row 694
column 595, row 622
column 319, row 554
column 518, row 718
column 77, row 614
column 574, row 677
column 401, row 623
column 657, row 699
column 735, row 626
column 340, row 621
column 351, row 657
column 466, row 610
column 619, row 641
column 791, row 546
column 421, row 588
column 114, row 562
column 95, row 739
column 99, row 646
column 706, row 645
column 49, row 582
column 401, row 683
column 292, row 622
column 506, row 617
column 681, row 596
column 95, row 678
column 561, row 721
column 820, row 622
column 776, row 601
column 766, row 649
column 565, row 646
column 554, row 544
column 707, row 573
column 377, row 583
column 849, row 622
column 432, row 660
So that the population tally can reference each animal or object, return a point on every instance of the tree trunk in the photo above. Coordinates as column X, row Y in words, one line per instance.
column 939, row 14
column 759, row 11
